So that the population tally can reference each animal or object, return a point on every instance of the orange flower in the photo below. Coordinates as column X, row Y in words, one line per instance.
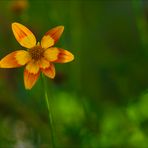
column 38, row 57
column 18, row 6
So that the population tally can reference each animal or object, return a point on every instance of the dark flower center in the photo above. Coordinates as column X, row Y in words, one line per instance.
column 36, row 52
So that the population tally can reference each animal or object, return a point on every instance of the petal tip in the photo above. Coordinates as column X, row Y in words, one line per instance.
column 61, row 27
column 72, row 58
column 14, row 24
column 52, row 77
column 27, row 88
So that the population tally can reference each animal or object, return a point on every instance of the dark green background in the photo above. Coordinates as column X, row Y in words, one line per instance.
column 100, row 100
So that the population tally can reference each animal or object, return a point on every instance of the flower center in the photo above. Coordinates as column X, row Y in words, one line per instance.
column 36, row 52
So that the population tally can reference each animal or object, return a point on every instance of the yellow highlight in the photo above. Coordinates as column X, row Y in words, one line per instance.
column 47, row 41
column 22, row 57
column 51, row 54
column 32, row 67
column 44, row 63
column 28, row 41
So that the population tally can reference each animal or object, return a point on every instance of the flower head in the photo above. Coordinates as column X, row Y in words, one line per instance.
column 18, row 6
column 39, row 57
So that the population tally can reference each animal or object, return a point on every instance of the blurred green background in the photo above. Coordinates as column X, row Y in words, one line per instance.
column 100, row 100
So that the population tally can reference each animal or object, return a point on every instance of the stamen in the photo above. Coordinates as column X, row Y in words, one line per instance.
column 36, row 52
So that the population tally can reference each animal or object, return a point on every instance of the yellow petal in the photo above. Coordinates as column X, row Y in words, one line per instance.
column 43, row 63
column 50, row 71
column 33, row 67
column 15, row 59
column 64, row 56
column 30, row 79
column 51, row 37
column 51, row 54
column 23, row 35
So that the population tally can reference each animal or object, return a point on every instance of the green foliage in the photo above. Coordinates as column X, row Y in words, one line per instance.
column 99, row 100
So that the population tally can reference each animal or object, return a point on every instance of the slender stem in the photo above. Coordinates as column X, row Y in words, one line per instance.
column 49, row 112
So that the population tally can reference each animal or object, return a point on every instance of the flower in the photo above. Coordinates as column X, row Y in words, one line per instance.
column 39, row 57
column 18, row 6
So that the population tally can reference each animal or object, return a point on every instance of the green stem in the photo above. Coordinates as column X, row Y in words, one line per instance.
column 49, row 112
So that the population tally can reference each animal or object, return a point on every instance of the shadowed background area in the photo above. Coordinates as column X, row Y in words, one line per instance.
column 98, row 100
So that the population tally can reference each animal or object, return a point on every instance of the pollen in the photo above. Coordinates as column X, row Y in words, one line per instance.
column 36, row 52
